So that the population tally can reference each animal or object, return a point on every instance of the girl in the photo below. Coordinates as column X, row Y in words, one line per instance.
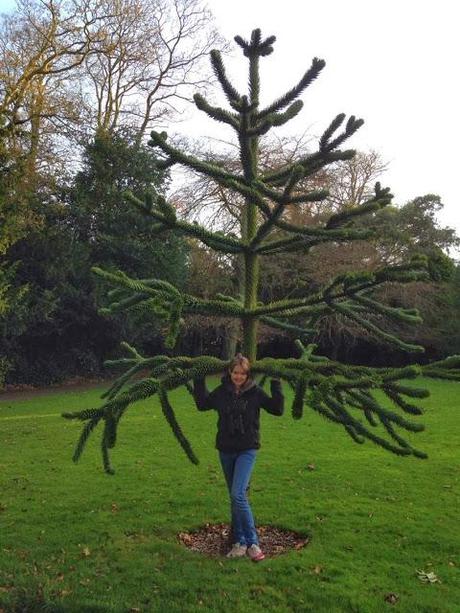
column 238, row 401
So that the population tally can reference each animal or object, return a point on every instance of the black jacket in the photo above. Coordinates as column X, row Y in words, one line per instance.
column 238, row 425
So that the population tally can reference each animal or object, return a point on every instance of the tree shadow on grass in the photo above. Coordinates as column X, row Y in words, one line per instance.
column 34, row 600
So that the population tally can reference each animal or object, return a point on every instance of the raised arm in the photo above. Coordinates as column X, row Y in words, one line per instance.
column 275, row 404
column 203, row 399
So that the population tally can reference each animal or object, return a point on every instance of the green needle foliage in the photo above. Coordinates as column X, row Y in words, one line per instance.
column 350, row 396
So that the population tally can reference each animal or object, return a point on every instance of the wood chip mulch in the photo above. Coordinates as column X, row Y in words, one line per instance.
column 213, row 540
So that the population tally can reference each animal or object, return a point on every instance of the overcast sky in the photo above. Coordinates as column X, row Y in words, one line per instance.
column 393, row 63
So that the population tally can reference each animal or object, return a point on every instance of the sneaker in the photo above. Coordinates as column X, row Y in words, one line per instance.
column 237, row 551
column 255, row 553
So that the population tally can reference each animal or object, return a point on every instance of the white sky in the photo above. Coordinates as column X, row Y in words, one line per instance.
column 393, row 63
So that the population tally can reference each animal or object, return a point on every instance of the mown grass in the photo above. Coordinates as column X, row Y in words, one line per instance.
column 76, row 540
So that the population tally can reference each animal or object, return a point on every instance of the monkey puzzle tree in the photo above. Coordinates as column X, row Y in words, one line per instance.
column 342, row 394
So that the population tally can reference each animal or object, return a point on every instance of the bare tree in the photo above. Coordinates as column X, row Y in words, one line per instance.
column 353, row 182
column 152, row 58
column 69, row 67
column 41, row 43
column 198, row 197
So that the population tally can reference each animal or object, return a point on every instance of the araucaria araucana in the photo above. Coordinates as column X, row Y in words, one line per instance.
column 344, row 395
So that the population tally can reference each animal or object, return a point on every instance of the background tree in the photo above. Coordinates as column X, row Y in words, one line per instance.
column 208, row 273
column 71, row 67
column 57, row 331
column 43, row 43
column 49, row 87
column 450, row 322
column 151, row 58
column 343, row 394
column 15, row 222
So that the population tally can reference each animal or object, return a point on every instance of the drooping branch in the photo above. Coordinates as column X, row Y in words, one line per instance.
column 298, row 331
column 165, row 214
column 390, row 339
column 342, row 394
column 346, row 295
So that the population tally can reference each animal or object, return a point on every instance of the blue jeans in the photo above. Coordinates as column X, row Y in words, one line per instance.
column 237, row 467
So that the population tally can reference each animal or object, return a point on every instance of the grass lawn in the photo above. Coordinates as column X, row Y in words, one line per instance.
column 75, row 539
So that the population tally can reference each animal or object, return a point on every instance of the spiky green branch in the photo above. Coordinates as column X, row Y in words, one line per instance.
column 342, row 394
column 370, row 404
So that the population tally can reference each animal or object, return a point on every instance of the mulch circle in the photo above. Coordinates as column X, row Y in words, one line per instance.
column 213, row 540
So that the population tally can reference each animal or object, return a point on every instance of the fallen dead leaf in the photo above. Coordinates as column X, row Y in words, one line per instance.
column 311, row 467
column 86, row 552
column 185, row 538
column 428, row 577
column 213, row 540
column 392, row 598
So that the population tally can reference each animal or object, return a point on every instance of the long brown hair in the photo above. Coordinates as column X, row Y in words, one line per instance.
column 240, row 360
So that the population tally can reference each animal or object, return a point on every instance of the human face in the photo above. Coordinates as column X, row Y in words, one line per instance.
column 239, row 376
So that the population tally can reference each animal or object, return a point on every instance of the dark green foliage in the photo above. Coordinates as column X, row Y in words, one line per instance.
column 168, row 412
column 256, row 47
column 451, row 321
column 89, row 427
column 381, row 199
column 46, row 336
column 119, row 235
column 219, row 69
column 216, row 113
column 346, row 395
column 311, row 74
column 300, row 391
column 412, row 228
column 55, row 330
